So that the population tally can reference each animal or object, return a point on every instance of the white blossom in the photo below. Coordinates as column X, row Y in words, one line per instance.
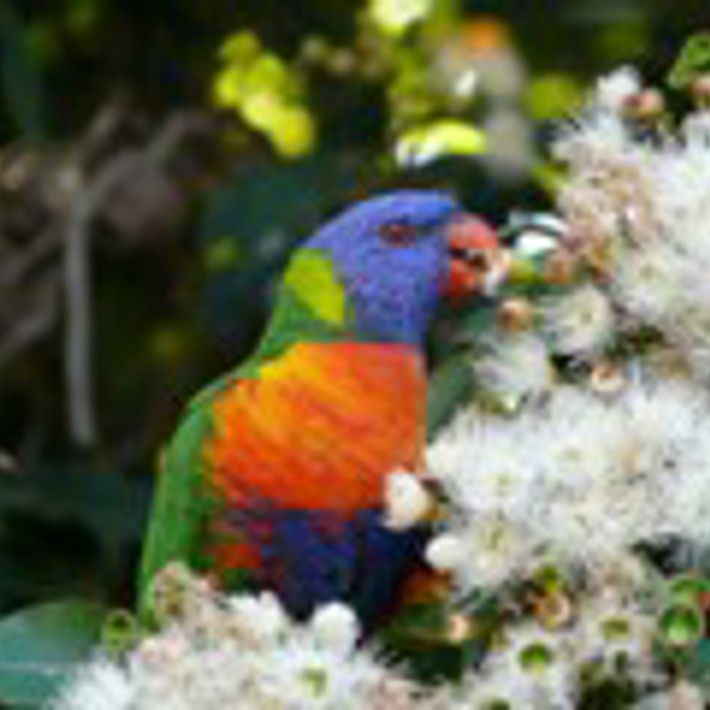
column 613, row 90
column 577, row 477
column 533, row 669
column 445, row 553
column 682, row 694
column 581, row 322
column 516, row 365
column 640, row 212
column 407, row 501
column 335, row 626
column 260, row 618
column 100, row 685
column 248, row 656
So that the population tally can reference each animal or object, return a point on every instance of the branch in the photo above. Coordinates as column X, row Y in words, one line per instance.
column 33, row 325
column 85, row 206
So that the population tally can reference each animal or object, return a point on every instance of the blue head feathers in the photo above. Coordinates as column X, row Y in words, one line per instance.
column 390, row 252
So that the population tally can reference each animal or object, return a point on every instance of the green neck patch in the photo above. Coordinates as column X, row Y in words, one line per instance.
column 312, row 279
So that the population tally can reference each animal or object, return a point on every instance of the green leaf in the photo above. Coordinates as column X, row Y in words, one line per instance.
column 40, row 646
column 693, row 61
column 420, row 636
column 449, row 387
column 682, row 625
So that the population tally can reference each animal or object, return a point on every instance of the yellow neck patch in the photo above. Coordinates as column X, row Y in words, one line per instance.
column 311, row 277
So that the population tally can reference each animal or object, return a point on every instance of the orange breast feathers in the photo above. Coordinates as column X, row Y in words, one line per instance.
column 321, row 427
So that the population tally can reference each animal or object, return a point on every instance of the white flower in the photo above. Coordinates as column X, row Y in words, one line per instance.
column 580, row 323
column 445, row 553
column 503, row 551
column 577, row 477
column 647, row 283
column 613, row 90
column 250, row 656
column 682, row 694
column 609, row 627
column 261, row 618
column 696, row 128
column 640, row 212
column 407, row 501
column 516, row 365
column 99, row 685
column 335, row 626
column 534, row 669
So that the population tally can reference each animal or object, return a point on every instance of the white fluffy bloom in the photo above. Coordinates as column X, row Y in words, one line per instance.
column 610, row 627
column 407, row 501
column 250, row 657
column 682, row 694
column 100, row 686
column 260, row 619
column 640, row 213
column 581, row 322
column 534, row 669
column 445, row 553
column 516, row 365
column 577, row 477
column 613, row 90
column 335, row 626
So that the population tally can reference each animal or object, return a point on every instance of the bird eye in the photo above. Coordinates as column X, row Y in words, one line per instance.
column 478, row 260
column 398, row 233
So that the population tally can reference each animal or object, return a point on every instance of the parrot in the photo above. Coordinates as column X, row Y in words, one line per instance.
column 277, row 470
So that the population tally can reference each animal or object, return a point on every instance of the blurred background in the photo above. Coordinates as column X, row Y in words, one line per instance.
column 159, row 160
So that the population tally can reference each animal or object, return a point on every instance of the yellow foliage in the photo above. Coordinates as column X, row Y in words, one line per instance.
column 553, row 96
column 423, row 144
column 393, row 17
column 262, row 89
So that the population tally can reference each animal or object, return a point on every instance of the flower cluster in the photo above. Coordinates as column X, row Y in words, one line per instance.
column 637, row 202
column 573, row 491
column 579, row 477
column 585, row 451
column 239, row 652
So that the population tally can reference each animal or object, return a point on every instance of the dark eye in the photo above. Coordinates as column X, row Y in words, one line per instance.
column 478, row 260
column 398, row 233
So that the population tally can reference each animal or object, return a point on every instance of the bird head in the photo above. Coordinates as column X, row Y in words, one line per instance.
column 398, row 254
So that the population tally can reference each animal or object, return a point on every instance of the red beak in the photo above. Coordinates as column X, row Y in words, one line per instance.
column 477, row 264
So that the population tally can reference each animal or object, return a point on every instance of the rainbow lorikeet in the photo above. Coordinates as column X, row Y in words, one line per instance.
column 278, row 469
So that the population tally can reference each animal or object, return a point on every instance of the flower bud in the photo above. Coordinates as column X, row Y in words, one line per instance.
column 445, row 553
column 407, row 501
column 335, row 626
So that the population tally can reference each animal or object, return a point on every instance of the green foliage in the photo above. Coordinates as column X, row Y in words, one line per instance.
column 40, row 646
column 266, row 93
column 421, row 637
column 692, row 63
column 94, row 520
column 448, row 388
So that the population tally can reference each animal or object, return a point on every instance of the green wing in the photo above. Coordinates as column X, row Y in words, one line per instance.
column 180, row 505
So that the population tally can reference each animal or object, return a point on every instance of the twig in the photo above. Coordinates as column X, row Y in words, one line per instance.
column 40, row 248
column 86, row 205
column 33, row 325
